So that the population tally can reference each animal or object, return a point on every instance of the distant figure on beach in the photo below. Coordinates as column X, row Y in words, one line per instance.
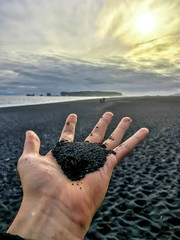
column 55, row 207
column 102, row 100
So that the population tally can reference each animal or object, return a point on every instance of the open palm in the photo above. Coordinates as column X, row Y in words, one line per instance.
column 78, row 200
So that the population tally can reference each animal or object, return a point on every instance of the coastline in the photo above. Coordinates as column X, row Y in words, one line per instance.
column 37, row 100
column 72, row 99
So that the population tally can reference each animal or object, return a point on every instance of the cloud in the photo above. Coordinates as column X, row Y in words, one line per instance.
column 116, row 25
column 58, row 74
column 58, row 26
column 88, row 45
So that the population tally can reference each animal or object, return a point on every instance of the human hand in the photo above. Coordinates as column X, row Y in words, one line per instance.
column 63, row 208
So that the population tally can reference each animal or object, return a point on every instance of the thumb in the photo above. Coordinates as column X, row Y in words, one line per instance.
column 32, row 143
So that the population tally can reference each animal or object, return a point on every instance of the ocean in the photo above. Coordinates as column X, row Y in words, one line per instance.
column 13, row 101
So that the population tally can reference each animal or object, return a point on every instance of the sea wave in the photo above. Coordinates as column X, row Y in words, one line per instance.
column 14, row 101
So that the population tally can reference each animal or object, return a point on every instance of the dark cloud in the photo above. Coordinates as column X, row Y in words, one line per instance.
column 58, row 74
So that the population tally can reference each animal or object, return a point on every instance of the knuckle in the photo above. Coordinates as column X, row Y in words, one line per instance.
column 97, row 132
column 105, row 120
column 121, row 127
column 137, row 137
column 68, row 132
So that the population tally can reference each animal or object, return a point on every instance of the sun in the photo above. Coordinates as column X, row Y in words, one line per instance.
column 145, row 23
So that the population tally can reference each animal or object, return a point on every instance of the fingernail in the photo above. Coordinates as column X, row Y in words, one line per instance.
column 109, row 113
column 127, row 119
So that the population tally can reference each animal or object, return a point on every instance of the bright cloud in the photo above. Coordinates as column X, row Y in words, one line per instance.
column 90, row 45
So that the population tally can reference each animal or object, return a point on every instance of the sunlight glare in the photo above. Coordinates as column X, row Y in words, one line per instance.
column 145, row 23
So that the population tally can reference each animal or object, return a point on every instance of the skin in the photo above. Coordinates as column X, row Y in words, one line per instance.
column 54, row 207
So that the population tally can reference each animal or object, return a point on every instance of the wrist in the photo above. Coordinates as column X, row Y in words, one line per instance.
column 45, row 219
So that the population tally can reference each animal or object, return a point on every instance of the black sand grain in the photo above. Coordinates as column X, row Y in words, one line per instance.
column 79, row 158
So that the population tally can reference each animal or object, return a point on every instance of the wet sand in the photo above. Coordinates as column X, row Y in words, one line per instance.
column 143, row 199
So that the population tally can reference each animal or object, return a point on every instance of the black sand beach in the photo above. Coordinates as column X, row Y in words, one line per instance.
column 143, row 199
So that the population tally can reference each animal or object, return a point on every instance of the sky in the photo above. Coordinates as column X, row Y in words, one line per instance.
column 128, row 46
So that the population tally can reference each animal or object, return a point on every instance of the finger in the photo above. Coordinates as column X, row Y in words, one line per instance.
column 109, row 165
column 68, row 131
column 118, row 133
column 32, row 143
column 97, row 134
column 127, row 147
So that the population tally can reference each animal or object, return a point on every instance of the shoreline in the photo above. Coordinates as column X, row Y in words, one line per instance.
column 69, row 99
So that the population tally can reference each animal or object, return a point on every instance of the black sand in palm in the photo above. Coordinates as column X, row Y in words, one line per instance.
column 79, row 158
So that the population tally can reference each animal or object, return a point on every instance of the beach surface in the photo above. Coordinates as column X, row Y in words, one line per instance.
column 143, row 199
